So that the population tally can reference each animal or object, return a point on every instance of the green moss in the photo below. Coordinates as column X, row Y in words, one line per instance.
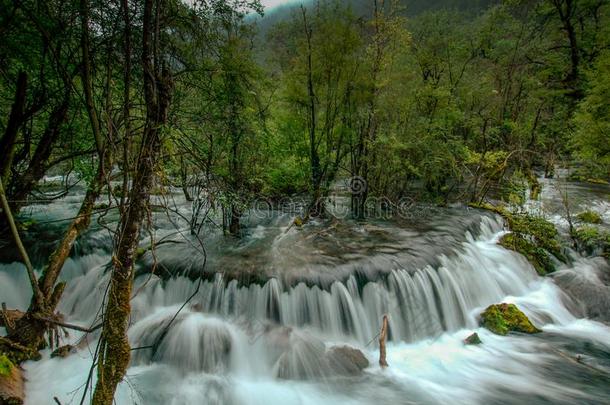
column 597, row 181
column 592, row 239
column 141, row 252
column 590, row 217
column 298, row 221
column 537, row 256
column 504, row 318
column 575, row 176
column 6, row 366
column 27, row 223
column 531, row 236
column 489, row 207
column 540, row 231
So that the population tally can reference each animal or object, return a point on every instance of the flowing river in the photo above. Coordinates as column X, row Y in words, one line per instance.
column 260, row 320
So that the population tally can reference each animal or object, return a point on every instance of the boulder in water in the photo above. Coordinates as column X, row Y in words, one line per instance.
column 473, row 339
column 346, row 360
column 504, row 318
column 305, row 357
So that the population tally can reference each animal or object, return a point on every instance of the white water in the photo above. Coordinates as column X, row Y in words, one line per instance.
column 268, row 344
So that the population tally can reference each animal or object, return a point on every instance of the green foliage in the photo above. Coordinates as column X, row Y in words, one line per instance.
column 592, row 239
column 590, row 217
column 445, row 104
column 504, row 318
column 592, row 139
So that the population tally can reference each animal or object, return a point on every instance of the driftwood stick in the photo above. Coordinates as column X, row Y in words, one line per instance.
column 382, row 338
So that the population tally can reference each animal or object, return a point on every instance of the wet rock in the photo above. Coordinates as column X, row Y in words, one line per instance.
column 504, row 318
column 473, row 339
column 63, row 351
column 588, row 289
column 346, row 360
column 307, row 358
column 303, row 360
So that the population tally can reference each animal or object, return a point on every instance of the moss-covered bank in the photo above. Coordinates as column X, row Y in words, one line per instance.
column 533, row 237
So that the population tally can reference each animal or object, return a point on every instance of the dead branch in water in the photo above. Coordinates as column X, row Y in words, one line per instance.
column 382, row 338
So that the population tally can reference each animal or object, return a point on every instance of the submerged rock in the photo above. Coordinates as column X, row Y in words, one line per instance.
column 346, row 360
column 504, row 318
column 305, row 357
column 473, row 339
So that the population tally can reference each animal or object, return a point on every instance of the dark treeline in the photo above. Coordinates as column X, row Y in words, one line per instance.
column 442, row 103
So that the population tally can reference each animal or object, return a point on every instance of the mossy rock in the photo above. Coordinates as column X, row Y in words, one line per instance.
column 590, row 217
column 504, row 318
column 537, row 256
column 542, row 233
column 489, row 207
column 6, row 365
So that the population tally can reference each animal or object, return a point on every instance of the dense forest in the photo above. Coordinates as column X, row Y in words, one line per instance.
column 235, row 107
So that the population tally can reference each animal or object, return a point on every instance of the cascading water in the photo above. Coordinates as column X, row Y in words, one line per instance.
column 278, row 340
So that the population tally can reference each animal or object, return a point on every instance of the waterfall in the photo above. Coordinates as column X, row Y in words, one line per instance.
column 280, row 342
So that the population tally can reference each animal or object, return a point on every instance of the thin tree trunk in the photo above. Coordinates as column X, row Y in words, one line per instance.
column 114, row 352
column 316, row 207
column 7, row 143
column 38, row 297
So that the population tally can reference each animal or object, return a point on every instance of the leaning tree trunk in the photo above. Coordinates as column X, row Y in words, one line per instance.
column 114, row 350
